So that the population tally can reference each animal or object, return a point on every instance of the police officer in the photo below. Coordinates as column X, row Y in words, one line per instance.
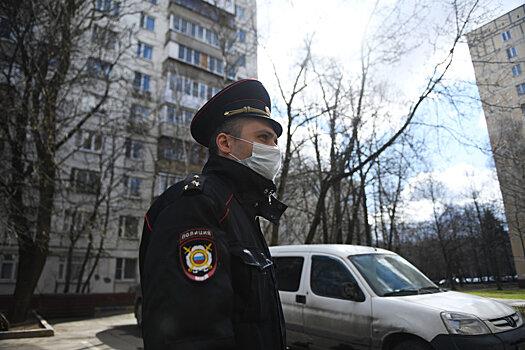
column 207, row 277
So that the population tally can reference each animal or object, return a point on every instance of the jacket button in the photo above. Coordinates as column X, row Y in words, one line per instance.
column 266, row 191
column 256, row 204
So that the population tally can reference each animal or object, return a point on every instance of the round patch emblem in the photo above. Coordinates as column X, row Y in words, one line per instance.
column 198, row 254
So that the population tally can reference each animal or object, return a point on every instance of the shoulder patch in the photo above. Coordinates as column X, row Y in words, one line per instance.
column 194, row 182
column 198, row 254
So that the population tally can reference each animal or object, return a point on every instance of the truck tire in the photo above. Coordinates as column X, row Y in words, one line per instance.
column 412, row 344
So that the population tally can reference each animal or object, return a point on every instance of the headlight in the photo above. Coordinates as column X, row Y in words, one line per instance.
column 458, row 323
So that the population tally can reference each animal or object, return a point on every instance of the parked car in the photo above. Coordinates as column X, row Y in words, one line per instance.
column 138, row 305
column 355, row 297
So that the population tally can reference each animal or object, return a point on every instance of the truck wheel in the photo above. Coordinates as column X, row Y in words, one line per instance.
column 412, row 344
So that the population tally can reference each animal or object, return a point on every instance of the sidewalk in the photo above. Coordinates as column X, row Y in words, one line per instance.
column 106, row 331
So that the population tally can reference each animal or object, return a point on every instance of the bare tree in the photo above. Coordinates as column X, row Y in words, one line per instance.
column 59, row 53
column 461, row 18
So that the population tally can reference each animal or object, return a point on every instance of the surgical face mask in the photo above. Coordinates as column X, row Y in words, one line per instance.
column 265, row 160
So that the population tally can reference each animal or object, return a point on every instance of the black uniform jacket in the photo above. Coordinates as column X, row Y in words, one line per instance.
column 207, row 277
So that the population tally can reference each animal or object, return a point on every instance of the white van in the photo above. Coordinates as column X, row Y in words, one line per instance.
column 355, row 297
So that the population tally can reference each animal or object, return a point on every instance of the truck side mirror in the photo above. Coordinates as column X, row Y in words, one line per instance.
column 351, row 291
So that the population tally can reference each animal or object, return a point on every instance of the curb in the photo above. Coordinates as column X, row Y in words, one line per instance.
column 47, row 331
column 127, row 308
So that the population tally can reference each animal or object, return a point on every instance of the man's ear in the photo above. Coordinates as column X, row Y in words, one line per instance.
column 223, row 143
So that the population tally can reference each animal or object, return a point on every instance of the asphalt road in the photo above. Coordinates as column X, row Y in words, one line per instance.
column 104, row 332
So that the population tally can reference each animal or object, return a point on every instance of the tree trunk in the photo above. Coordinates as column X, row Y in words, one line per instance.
column 33, row 253
column 31, row 261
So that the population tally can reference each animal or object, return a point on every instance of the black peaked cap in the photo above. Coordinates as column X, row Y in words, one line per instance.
column 245, row 98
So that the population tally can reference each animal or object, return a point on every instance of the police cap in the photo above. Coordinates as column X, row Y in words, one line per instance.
column 245, row 98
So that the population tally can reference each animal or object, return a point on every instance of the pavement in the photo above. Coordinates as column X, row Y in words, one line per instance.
column 106, row 331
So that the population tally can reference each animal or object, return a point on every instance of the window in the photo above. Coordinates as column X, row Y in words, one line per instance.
column 98, row 69
column 196, row 58
column 125, row 269
column 174, row 82
column 141, row 82
column 8, row 267
column 506, row 35
column 288, row 273
column 85, row 181
column 171, row 115
column 183, row 26
column 520, row 89
column 88, row 141
column 239, row 11
column 511, row 52
column 198, row 155
column 523, row 109
column 131, row 186
column 138, row 113
column 76, row 266
column 171, row 149
column 104, row 37
column 5, row 29
column 215, row 65
column 75, row 221
column 128, row 227
column 200, row 59
column 187, row 87
column 164, row 181
column 195, row 89
column 516, row 70
column 153, row 2
column 240, row 35
column 231, row 73
column 110, row 7
column 329, row 277
column 187, row 116
column 145, row 51
column 201, row 7
column 241, row 60
column 133, row 149
column 147, row 22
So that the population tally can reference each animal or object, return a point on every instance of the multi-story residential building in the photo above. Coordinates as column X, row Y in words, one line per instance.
column 181, row 53
column 497, row 50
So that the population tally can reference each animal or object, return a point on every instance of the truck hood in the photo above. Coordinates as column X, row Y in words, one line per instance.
column 481, row 307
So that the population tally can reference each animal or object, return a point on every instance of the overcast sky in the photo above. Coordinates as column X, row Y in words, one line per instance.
column 338, row 27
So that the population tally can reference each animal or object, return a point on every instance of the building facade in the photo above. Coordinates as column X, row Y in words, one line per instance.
column 181, row 52
column 497, row 50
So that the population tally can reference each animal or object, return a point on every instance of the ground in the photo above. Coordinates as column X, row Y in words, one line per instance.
column 104, row 332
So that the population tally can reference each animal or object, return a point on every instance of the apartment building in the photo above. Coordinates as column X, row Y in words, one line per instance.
column 181, row 52
column 497, row 51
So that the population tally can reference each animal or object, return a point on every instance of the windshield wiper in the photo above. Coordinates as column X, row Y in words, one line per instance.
column 401, row 292
column 429, row 290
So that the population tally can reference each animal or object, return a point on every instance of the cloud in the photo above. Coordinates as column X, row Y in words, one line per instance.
column 457, row 183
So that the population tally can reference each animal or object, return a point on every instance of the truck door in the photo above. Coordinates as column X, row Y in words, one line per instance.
column 337, row 314
column 290, row 277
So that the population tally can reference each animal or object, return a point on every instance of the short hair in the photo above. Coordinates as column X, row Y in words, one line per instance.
column 232, row 126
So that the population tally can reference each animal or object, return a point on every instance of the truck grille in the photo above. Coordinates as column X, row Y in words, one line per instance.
column 506, row 323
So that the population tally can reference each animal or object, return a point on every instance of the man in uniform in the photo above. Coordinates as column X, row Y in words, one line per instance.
column 207, row 277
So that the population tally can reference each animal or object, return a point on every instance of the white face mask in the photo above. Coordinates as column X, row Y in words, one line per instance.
column 265, row 160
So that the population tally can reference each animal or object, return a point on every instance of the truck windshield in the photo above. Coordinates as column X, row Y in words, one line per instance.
column 391, row 275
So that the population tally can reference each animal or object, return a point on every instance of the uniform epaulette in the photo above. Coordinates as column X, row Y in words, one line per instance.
column 194, row 182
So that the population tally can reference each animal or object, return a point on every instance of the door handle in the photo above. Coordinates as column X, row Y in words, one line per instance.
column 300, row 299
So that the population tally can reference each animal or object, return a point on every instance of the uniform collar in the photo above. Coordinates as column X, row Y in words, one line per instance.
column 249, row 187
